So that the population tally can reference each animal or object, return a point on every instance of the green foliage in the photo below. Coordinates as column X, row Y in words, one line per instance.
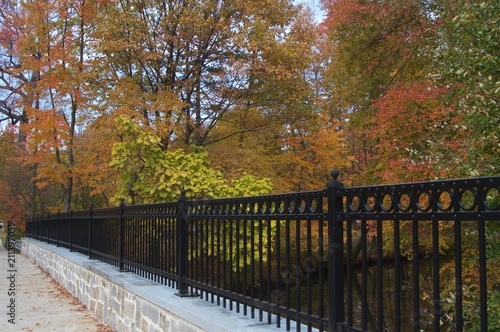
column 242, row 243
column 469, row 61
column 149, row 174
column 248, row 185
column 471, row 300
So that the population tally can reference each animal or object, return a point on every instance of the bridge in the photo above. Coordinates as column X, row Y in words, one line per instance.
column 402, row 257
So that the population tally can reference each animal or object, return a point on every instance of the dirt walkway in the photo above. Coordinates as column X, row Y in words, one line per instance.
column 30, row 300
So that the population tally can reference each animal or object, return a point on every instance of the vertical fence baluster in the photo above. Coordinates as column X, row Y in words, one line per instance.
column 483, row 290
column 435, row 276
column 57, row 227
column 237, row 259
column 37, row 227
column 269, row 251
column 48, row 227
column 71, row 230
column 278, row 269
column 416, row 277
column 380, row 277
column 90, row 231
column 288, row 270
column 397, row 275
column 321, row 271
column 458, row 275
column 261, row 266
column 231, row 253
column 121, row 249
column 225, row 264
column 212, row 229
column 245, row 265
column 309, row 271
column 298, row 268
column 252, row 264
column 206, row 239
column 218, row 260
column 364, row 277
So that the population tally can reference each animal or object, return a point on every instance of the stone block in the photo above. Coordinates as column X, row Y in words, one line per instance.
column 129, row 310
column 99, row 312
column 111, row 319
column 165, row 321
column 144, row 325
column 103, row 295
column 180, row 326
column 122, row 326
column 115, row 305
column 150, row 311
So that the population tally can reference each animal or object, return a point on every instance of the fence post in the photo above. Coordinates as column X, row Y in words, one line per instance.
column 90, row 230
column 182, row 247
column 121, row 244
column 336, row 313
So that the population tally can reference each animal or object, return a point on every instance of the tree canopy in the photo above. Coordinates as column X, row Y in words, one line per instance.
column 103, row 100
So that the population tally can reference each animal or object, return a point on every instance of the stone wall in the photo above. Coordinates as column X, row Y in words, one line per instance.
column 112, row 304
column 127, row 302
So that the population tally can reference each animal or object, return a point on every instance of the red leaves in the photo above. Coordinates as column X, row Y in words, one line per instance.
column 342, row 12
column 416, row 132
column 409, row 106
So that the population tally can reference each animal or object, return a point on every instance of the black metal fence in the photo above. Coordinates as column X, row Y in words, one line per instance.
column 377, row 258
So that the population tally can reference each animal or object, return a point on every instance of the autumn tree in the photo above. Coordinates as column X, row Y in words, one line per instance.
column 381, row 75
column 16, row 89
column 46, row 75
column 15, row 184
column 13, row 95
column 244, row 141
column 287, row 132
column 96, row 181
column 189, row 63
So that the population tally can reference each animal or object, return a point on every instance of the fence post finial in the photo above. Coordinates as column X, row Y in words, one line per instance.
column 335, row 183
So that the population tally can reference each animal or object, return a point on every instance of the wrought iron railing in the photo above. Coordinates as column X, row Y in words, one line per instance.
column 340, row 259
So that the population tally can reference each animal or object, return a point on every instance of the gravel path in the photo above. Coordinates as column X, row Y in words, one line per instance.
column 30, row 300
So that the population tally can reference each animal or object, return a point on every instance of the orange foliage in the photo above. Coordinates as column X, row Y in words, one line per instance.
column 15, row 184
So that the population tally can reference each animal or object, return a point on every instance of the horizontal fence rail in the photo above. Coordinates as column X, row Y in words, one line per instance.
column 406, row 257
